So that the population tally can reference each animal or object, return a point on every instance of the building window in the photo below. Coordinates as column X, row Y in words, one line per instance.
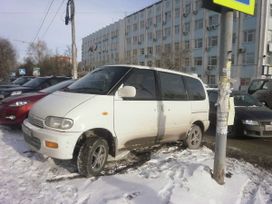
column 198, row 61
column 176, row 29
column 213, row 20
column 187, row 61
column 158, row 49
column 233, row 38
column 129, row 41
column 158, row 34
column 249, row 36
column 149, row 22
column 142, row 51
column 198, row 43
column 135, row 52
column 150, row 50
column 187, row 8
column 149, row 63
column 135, row 40
column 199, row 24
column 167, row 48
column 150, row 36
column 142, row 25
column 177, row 12
column 212, row 60
column 213, row 41
column 186, row 44
column 158, row 19
column 187, row 27
column 142, row 38
column 248, row 58
column 176, row 47
column 167, row 32
column 168, row 16
column 270, row 9
column 135, row 27
column 211, row 79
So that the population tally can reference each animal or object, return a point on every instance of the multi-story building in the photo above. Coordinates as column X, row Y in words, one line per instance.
column 181, row 35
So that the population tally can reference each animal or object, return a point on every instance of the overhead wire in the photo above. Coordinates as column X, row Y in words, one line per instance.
column 39, row 30
column 52, row 20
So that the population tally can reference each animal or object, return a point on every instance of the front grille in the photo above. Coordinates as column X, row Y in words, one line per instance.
column 35, row 121
column 33, row 141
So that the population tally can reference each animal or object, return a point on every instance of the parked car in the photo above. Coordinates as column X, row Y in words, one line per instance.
column 14, row 109
column 32, row 85
column 116, row 108
column 261, row 89
column 17, row 82
column 251, row 119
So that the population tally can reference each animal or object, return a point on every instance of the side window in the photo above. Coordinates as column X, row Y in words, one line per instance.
column 172, row 87
column 195, row 88
column 144, row 82
column 45, row 84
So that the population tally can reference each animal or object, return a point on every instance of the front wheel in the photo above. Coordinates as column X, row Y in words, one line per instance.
column 92, row 156
column 194, row 137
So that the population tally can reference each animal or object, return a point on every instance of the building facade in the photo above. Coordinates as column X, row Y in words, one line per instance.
column 181, row 35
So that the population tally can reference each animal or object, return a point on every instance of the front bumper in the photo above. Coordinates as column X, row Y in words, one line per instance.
column 36, row 137
column 19, row 114
column 257, row 131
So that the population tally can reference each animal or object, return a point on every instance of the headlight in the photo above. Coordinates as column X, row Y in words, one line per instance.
column 15, row 93
column 250, row 122
column 18, row 103
column 59, row 123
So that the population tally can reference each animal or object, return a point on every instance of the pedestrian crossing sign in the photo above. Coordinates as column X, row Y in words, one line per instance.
column 245, row 6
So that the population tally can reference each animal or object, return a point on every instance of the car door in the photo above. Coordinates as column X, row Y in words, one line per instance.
column 136, row 119
column 176, row 110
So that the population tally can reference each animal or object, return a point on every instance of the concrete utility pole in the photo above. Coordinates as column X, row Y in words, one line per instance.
column 223, row 98
column 71, row 18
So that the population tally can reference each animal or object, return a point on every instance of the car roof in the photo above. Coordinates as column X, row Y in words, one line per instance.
column 153, row 68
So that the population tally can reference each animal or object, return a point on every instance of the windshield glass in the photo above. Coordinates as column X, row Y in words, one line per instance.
column 58, row 86
column 99, row 81
column 35, row 82
column 20, row 80
column 245, row 100
column 256, row 85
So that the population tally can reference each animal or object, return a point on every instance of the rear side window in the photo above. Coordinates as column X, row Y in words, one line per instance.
column 144, row 82
column 195, row 88
column 172, row 87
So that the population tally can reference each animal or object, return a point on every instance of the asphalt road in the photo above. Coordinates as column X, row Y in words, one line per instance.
column 254, row 150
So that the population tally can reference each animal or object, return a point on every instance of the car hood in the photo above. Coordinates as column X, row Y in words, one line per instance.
column 259, row 113
column 58, row 104
column 32, row 96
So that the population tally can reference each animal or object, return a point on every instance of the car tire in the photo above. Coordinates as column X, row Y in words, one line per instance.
column 194, row 137
column 92, row 156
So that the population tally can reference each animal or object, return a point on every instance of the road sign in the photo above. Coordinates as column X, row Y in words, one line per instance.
column 245, row 6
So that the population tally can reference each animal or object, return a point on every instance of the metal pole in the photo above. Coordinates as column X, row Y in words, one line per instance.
column 223, row 97
column 74, row 49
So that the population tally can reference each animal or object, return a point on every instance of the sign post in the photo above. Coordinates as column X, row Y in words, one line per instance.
column 225, row 7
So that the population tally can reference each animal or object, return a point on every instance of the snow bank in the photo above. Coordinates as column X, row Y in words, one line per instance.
column 171, row 175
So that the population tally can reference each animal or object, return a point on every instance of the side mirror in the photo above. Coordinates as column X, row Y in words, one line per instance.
column 127, row 92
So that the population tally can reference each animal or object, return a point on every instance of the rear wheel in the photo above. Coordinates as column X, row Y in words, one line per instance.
column 194, row 137
column 92, row 156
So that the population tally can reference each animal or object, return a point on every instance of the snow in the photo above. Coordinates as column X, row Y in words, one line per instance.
column 167, row 174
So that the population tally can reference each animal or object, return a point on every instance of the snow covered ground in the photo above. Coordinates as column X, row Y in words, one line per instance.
column 168, row 174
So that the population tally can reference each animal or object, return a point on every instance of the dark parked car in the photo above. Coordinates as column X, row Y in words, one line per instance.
column 252, row 118
column 261, row 89
column 17, row 82
column 32, row 86
column 14, row 109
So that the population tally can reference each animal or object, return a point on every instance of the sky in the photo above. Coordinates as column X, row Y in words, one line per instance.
column 20, row 21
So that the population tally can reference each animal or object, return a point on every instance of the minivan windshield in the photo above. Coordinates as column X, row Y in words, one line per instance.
column 99, row 81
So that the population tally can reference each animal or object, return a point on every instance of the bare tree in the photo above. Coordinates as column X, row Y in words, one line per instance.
column 7, row 58
column 37, row 52
column 174, row 59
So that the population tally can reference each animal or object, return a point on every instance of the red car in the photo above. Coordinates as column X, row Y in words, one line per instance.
column 13, row 110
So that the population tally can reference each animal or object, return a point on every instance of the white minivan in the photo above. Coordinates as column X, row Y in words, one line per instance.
column 114, row 108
